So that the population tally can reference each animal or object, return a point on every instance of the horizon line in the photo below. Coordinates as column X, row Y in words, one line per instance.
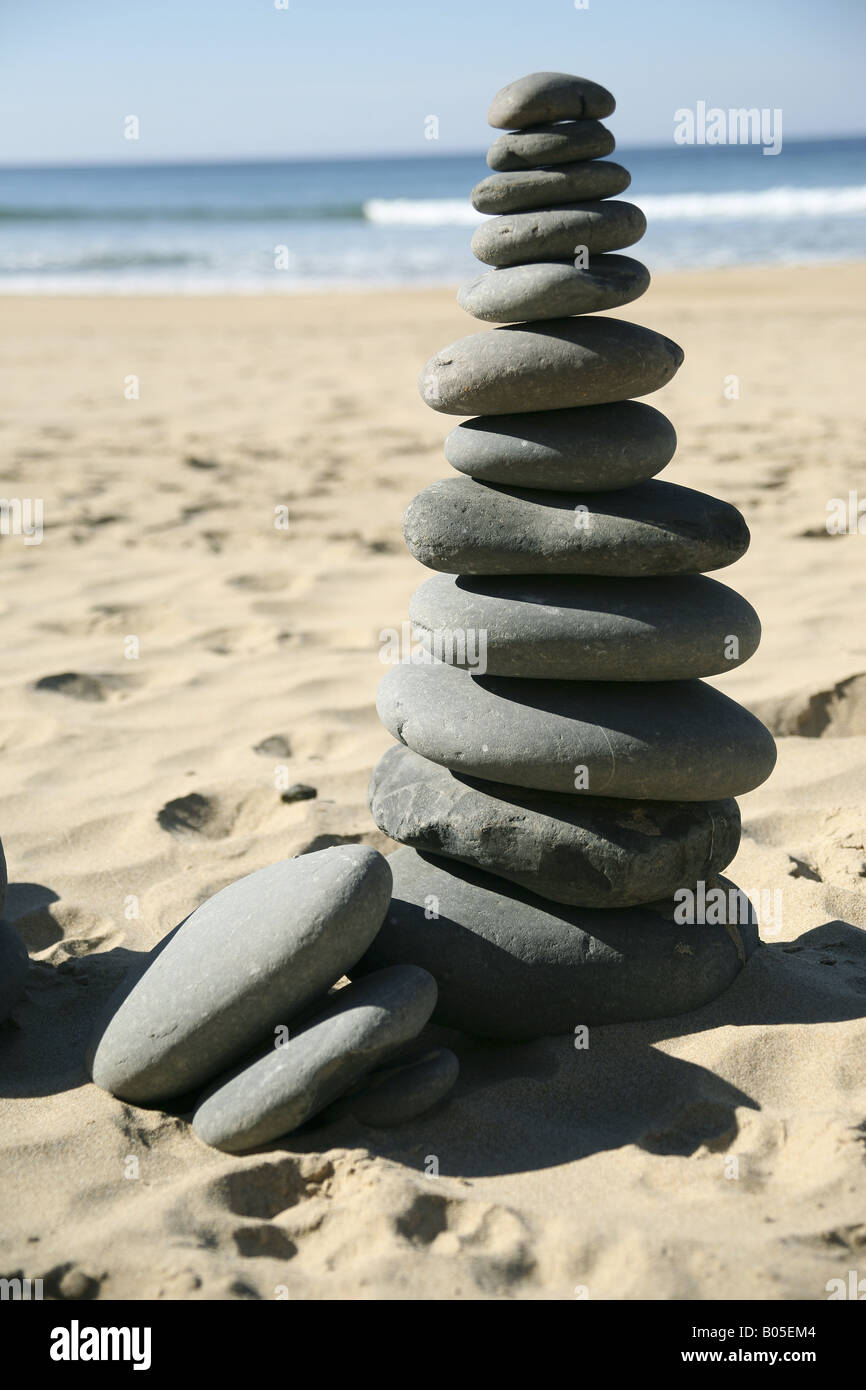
column 184, row 161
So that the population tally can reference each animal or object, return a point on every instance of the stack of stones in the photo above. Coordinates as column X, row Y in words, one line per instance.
column 232, row 1016
column 562, row 770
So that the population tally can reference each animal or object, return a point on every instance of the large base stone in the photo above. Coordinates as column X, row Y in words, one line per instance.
column 510, row 965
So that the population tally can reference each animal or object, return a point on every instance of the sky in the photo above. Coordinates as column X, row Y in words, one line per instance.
column 232, row 79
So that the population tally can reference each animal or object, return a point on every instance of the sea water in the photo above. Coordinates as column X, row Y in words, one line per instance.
column 306, row 225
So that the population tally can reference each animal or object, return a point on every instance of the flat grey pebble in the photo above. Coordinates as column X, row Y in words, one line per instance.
column 554, row 234
column 393, row 1095
column 510, row 965
column 548, row 366
column 243, row 963
column 367, row 1022
column 525, row 189
column 467, row 527
column 589, row 851
column 553, row 289
column 579, row 627
column 658, row 741
column 561, row 143
column 591, row 448
column 548, row 96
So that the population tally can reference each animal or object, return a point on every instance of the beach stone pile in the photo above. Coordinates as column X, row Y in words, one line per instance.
column 231, row 1015
column 552, row 798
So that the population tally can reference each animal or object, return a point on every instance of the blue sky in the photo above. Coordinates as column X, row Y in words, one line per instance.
column 242, row 78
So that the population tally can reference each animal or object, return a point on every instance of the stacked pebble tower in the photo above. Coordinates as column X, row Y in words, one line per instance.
column 562, row 770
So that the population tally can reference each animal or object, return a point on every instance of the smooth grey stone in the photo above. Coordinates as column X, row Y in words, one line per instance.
column 525, row 189
column 554, row 234
column 550, row 144
column 590, row 851
column 548, row 366
column 548, row 96
column 582, row 628
column 242, row 963
column 4, row 881
column 553, row 289
column 287, row 1085
column 510, row 965
column 14, row 968
column 393, row 1095
column 466, row 527
column 592, row 448
column 657, row 741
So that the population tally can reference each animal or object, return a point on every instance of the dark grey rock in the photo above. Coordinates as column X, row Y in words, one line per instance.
column 286, row 1085
column 548, row 96
column 578, row 627
column 4, row 881
column 299, row 791
column 593, row 448
column 510, row 965
column 659, row 741
column 14, row 968
column 393, row 1095
column 466, row 527
column 555, row 234
column 589, row 851
column 525, row 189
column 553, row 289
column 548, row 366
column 561, row 143
column 246, row 961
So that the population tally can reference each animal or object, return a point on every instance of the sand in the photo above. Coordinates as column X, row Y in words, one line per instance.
column 718, row 1155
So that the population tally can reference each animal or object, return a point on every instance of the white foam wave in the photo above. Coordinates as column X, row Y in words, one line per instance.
column 744, row 204
column 422, row 212
column 766, row 203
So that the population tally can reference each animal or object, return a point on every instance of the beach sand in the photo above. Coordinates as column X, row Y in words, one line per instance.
column 717, row 1155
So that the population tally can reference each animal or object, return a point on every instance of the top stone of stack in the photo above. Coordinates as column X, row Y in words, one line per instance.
column 548, row 96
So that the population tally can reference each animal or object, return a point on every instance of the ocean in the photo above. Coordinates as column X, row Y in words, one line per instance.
column 305, row 225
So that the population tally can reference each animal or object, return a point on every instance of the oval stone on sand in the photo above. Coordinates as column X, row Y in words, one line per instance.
column 550, row 144
column 548, row 96
column 548, row 366
column 592, row 448
column 510, row 965
column 555, row 234
column 525, row 189
column 578, row 627
column 276, row 1093
column 246, row 961
column 553, row 289
column 462, row 526
column 656, row 741
column 589, row 851
column 393, row 1095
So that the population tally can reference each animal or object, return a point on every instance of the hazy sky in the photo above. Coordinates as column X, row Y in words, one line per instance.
column 243, row 78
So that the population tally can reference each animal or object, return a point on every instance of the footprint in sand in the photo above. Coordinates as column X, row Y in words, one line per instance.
column 259, row 583
column 838, row 712
column 81, row 686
